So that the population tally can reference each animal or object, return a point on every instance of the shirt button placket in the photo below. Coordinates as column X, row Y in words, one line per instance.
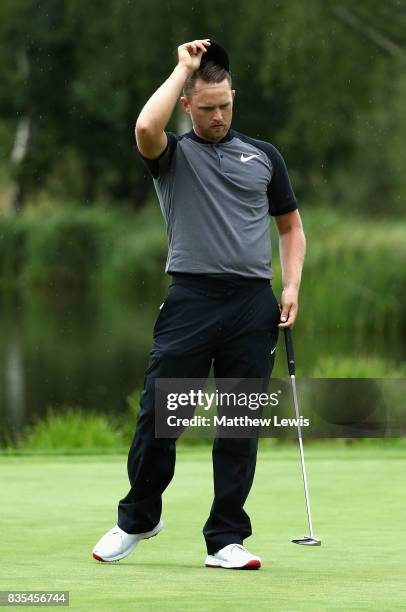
column 217, row 151
column 219, row 154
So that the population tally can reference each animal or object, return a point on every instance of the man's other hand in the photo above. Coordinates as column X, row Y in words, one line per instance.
column 288, row 307
column 191, row 53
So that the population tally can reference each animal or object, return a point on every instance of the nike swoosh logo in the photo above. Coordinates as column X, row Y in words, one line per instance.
column 245, row 159
column 273, row 350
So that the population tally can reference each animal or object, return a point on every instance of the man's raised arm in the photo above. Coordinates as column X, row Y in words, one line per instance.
column 153, row 119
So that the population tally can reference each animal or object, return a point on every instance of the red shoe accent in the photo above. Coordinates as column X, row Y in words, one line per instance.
column 254, row 564
column 98, row 558
column 251, row 565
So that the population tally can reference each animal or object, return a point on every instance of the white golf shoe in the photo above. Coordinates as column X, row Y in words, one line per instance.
column 233, row 556
column 117, row 544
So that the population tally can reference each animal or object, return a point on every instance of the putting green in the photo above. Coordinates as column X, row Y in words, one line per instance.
column 55, row 508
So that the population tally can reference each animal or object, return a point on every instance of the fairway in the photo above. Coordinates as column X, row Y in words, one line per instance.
column 54, row 509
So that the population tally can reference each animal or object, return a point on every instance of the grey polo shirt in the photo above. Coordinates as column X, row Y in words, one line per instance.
column 217, row 199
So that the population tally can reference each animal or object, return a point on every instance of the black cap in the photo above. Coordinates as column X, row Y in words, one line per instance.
column 217, row 54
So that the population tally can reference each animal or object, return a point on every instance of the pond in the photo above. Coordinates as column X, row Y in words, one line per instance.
column 79, row 351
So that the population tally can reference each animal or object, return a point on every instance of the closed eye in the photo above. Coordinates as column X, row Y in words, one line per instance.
column 210, row 108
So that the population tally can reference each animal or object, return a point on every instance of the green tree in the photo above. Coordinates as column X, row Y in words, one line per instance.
column 323, row 81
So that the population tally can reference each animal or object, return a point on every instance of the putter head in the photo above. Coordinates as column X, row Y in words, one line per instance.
column 307, row 541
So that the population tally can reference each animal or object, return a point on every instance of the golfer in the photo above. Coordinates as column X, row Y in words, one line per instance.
column 217, row 189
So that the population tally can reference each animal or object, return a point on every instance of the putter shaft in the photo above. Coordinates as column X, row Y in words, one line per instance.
column 302, row 461
column 309, row 540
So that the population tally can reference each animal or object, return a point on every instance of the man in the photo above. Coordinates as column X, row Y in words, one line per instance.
column 217, row 189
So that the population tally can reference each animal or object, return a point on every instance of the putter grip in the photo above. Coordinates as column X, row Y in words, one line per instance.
column 289, row 350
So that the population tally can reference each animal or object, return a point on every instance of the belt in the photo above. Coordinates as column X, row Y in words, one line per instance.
column 219, row 282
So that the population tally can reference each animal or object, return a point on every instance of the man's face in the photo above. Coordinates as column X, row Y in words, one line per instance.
column 211, row 109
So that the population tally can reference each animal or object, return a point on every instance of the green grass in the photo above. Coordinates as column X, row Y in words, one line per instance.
column 74, row 428
column 55, row 508
column 329, row 366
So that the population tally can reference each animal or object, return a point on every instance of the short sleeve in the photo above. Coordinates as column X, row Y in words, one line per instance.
column 281, row 197
column 160, row 165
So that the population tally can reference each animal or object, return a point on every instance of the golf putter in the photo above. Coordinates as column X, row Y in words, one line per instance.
column 309, row 540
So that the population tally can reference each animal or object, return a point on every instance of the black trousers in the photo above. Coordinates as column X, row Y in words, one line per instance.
column 234, row 324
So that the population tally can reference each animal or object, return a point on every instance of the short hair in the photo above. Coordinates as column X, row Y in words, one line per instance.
column 209, row 73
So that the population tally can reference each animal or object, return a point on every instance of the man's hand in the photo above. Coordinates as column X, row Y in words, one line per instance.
column 288, row 307
column 191, row 53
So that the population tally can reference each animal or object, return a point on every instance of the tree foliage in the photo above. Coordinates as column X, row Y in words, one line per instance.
column 324, row 81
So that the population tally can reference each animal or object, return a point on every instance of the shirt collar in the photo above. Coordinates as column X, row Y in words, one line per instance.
column 193, row 136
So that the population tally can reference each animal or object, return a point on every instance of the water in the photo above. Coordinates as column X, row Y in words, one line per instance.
column 76, row 351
